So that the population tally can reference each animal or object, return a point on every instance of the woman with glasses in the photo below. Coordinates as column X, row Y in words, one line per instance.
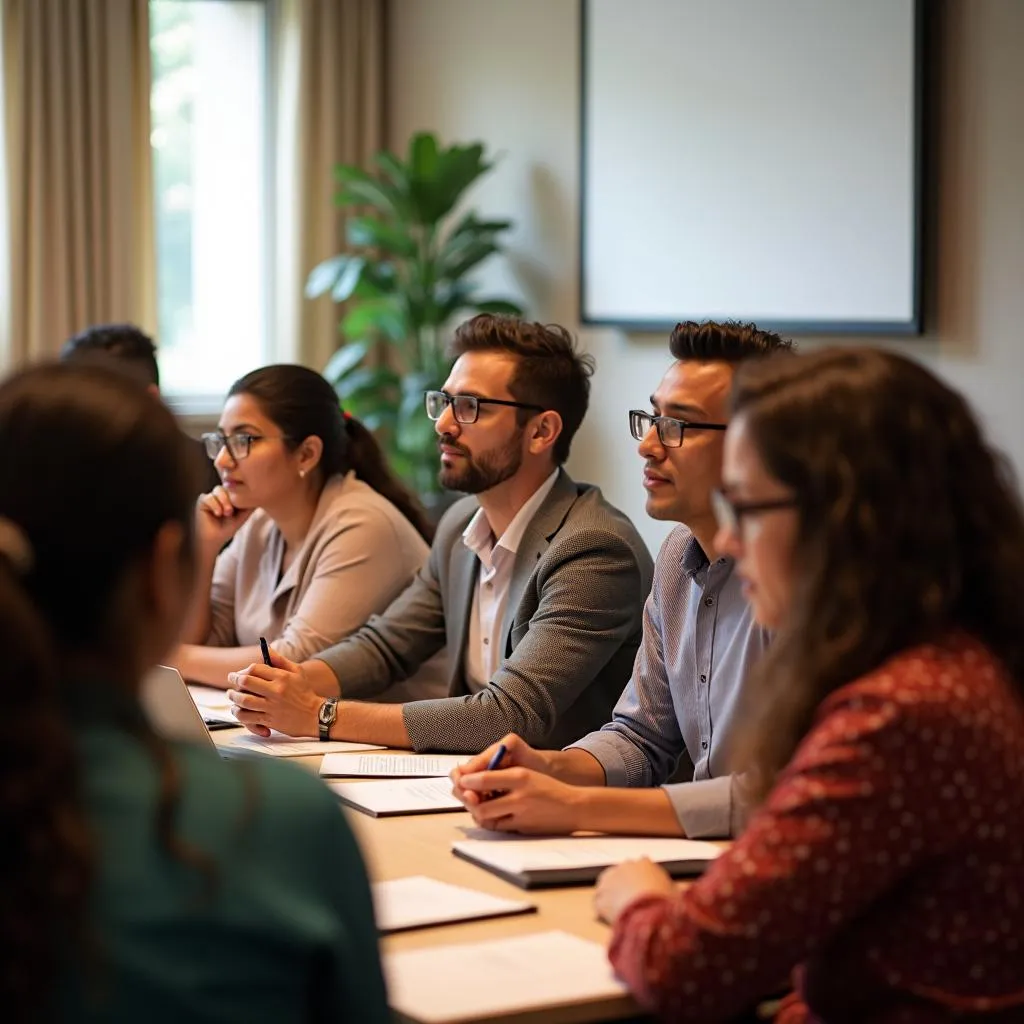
column 883, row 541
column 322, row 534
column 142, row 880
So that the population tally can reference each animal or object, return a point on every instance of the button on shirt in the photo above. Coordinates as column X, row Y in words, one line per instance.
column 683, row 702
column 484, row 649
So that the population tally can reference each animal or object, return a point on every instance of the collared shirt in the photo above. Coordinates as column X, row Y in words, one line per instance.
column 683, row 702
column 490, row 596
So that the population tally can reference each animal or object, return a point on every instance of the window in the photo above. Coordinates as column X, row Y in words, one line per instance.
column 209, row 105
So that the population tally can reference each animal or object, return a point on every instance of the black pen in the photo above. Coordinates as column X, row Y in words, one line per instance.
column 266, row 652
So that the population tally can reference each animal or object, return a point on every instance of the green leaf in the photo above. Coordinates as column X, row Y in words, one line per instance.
column 323, row 276
column 469, row 256
column 348, row 278
column 423, row 156
column 371, row 193
column 375, row 316
column 367, row 381
column 394, row 170
column 501, row 306
column 346, row 359
column 370, row 232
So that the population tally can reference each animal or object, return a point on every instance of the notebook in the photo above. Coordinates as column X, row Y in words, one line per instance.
column 499, row 978
column 533, row 863
column 279, row 745
column 213, row 705
column 418, row 902
column 389, row 765
column 383, row 798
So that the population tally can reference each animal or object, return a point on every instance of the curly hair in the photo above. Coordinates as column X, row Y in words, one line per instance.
column 550, row 371
column 910, row 526
column 79, row 444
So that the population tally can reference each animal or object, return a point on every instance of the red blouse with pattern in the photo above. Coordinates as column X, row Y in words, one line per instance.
column 887, row 862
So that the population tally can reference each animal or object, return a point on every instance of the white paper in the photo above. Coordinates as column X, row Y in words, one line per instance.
column 390, row 765
column 213, row 704
column 518, row 853
column 278, row 745
column 466, row 982
column 418, row 901
column 399, row 796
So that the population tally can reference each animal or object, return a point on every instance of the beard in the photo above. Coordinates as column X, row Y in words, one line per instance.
column 476, row 475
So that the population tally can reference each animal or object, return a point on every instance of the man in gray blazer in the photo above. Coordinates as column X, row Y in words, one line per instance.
column 535, row 583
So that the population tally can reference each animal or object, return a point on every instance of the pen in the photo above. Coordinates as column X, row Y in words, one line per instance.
column 492, row 765
column 266, row 655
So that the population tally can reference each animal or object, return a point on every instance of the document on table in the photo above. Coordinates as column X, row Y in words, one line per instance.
column 213, row 704
column 390, row 766
column 538, row 861
column 278, row 745
column 419, row 901
column 383, row 798
column 456, row 983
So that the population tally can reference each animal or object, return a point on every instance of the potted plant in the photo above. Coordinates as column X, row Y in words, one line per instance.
column 406, row 277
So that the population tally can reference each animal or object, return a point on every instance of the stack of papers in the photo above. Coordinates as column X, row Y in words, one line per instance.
column 213, row 704
column 389, row 766
column 383, row 798
column 477, row 980
column 419, row 901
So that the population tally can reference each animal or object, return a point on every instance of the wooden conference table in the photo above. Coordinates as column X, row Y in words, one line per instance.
column 420, row 844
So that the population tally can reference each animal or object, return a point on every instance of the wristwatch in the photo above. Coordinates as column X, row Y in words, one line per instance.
column 325, row 717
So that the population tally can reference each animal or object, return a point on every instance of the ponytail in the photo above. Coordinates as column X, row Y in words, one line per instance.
column 368, row 462
column 46, row 857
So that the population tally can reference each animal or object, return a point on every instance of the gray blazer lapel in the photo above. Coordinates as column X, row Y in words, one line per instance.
column 463, row 565
column 544, row 525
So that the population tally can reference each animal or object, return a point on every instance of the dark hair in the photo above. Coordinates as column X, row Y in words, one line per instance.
column 78, row 445
column 549, row 372
column 910, row 527
column 303, row 404
column 124, row 342
column 727, row 342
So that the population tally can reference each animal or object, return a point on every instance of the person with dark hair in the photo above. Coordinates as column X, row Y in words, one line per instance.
column 134, row 352
column 143, row 880
column 883, row 540
column 535, row 583
column 674, row 724
column 322, row 534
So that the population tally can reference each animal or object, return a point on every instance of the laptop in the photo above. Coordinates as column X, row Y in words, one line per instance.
column 170, row 708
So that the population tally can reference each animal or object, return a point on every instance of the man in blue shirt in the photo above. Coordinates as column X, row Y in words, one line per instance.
column 679, row 713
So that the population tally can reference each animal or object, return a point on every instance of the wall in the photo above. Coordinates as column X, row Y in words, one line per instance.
column 507, row 72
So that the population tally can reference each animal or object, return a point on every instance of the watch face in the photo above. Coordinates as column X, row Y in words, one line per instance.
column 327, row 713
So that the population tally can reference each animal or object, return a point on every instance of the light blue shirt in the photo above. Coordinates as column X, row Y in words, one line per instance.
column 684, row 700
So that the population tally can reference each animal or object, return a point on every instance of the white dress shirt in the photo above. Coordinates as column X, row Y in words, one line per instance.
column 483, row 645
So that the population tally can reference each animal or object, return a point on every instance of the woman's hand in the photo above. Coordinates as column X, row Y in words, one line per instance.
column 624, row 883
column 217, row 520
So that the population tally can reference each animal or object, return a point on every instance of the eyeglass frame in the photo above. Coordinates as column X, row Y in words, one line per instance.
column 729, row 514
column 656, row 422
column 227, row 440
column 449, row 403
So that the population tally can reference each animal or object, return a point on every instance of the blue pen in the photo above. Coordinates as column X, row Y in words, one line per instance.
column 493, row 765
column 265, row 651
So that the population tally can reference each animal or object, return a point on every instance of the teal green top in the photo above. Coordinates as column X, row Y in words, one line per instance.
column 284, row 933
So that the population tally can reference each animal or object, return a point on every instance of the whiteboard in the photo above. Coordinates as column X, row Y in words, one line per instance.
column 751, row 159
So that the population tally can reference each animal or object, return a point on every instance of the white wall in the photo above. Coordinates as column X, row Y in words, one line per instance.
column 507, row 72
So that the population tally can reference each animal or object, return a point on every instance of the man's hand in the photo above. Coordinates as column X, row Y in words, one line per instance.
column 522, row 801
column 518, row 754
column 624, row 883
column 276, row 696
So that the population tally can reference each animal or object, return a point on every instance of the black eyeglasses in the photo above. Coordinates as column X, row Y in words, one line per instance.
column 466, row 408
column 730, row 514
column 238, row 444
column 670, row 430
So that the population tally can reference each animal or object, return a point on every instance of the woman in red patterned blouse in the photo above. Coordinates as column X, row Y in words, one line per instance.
column 881, row 538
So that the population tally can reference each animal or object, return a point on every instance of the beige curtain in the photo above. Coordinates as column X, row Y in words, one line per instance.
column 76, row 81
column 330, row 110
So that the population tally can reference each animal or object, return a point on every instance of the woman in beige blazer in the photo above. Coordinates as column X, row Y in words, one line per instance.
column 322, row 535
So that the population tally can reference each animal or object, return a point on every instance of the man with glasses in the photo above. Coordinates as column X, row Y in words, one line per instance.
column 680, row 713
column 534, row 583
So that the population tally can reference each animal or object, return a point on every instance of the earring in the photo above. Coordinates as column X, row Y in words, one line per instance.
column 302, row 473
